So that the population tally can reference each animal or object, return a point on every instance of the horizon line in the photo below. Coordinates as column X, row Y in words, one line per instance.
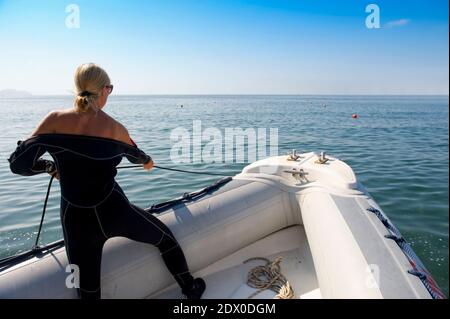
column 244, row 94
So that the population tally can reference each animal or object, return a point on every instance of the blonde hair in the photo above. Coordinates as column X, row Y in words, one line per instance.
column 90, row 79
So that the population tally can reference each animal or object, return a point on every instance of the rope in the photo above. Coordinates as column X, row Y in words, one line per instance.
column 37, row 249
column 269, row 276
column 418, row 269
column 36, row 246
column 174, row 170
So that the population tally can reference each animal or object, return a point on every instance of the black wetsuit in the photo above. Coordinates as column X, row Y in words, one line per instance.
column 93, row 206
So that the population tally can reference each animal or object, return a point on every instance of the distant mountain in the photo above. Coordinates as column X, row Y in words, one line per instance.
column 14, row 93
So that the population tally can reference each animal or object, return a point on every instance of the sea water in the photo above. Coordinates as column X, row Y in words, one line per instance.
column 398, row 147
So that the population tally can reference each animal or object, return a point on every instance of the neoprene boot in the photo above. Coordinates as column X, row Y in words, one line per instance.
column 197, row 289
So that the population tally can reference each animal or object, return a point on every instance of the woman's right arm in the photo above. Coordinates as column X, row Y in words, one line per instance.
column 25, row 160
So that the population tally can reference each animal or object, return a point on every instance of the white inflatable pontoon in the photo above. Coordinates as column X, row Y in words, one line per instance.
column 334, row 240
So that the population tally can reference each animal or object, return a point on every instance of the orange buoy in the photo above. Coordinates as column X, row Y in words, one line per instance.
column 354, row 116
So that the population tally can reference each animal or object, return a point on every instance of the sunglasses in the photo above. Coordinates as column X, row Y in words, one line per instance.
column 110, row 88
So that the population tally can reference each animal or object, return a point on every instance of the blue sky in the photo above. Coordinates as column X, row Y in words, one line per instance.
column 228, row 46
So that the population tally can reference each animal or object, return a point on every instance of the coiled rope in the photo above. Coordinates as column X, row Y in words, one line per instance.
column 269, row 277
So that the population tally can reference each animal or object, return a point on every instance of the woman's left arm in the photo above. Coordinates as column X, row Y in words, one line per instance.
column 132, row 152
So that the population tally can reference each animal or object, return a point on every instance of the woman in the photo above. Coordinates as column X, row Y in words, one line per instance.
column 87, row 145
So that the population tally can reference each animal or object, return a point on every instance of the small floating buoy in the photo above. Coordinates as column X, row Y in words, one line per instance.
column 354, row 116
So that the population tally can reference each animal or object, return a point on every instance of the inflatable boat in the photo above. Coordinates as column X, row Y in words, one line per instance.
column 307, row 211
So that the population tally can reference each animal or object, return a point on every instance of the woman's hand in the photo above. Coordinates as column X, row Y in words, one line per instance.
column 54, row 174
column 51, row 169
column 149, row 165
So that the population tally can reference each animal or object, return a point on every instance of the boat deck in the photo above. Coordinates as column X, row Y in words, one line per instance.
column 226, row 278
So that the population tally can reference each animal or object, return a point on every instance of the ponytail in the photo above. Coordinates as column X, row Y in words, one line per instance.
column 90, row 79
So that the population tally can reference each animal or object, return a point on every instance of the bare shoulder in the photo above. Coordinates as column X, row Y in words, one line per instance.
column 121, row 132
column 48, row 123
